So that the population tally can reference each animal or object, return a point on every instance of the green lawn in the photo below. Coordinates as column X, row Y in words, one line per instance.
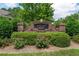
column 70, row 52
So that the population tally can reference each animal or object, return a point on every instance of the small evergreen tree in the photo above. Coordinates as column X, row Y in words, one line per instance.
column 72, row 26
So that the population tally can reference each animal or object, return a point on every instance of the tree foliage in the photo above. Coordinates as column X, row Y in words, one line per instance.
column 6, row 27
column 72, row 23
column 16, row 13
column 37, row 11
column 75, row 16
column 33, row 11
column 72, row 26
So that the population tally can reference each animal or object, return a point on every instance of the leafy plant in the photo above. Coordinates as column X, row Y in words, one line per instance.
column 6, row 28
column 33, row 11
column 72, row 25
column 5, row 42
column 76, row 38
column 60, row 39
column 1, row 42
column 19, row 43
column 30, row 38
column 41, row 43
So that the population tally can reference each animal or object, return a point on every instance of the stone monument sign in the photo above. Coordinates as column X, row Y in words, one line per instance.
column 41, row 26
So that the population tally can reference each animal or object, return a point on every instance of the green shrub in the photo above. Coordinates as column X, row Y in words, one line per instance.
column 60, row 39
column 22, row 34
column 76, row 38
column 30, row 38
column 1, row 42
column 41, row 43
column 19, row 43
column 43, row 40
column 6, row 28
column 72, row 26
column 14, row 22
column 30, row 41
column 5, row 42
column 44, row 35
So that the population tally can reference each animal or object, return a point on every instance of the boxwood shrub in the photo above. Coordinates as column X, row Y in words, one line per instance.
column 43, row 40
column 42, row 43
column 60, row 39
column 19, row 43
column 76, row 38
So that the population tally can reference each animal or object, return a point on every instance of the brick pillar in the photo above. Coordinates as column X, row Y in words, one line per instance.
column 20, row 26
column 53, row 28
column 62, row 27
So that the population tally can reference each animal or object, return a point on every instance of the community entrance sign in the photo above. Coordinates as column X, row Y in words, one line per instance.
column 41, row 26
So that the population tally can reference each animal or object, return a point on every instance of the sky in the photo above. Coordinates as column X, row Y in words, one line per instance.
column 65, row 9
column 62, row 7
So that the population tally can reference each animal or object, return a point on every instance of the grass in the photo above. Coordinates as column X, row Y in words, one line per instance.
column 70, row 52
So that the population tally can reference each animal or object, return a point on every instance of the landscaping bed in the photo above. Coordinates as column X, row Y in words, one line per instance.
column 40, row 39
column 37, row 43
column 29, row 50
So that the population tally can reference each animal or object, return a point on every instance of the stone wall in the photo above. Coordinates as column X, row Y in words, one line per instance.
column 51, row 27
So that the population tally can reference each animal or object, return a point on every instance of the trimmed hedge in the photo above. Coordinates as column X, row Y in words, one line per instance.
column 76, row 38
column 59, row 39
column 30, row 38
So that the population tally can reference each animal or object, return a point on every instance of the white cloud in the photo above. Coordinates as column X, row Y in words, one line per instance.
column 63, row 9
column 11, row 5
